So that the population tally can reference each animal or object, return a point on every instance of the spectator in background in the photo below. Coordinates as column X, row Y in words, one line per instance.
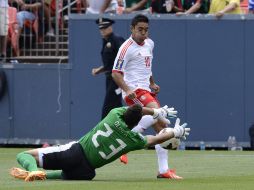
column 221, row 7
column 27, row 12
column 3, row 29
column 49, row 7
column 166, row 6
column 137, row 6
column 101, row 6
column 110, row 46
column 121, row 6
column 251, row 6
column 195, row 6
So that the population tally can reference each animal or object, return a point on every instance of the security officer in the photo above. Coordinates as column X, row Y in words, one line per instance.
column 111, row 44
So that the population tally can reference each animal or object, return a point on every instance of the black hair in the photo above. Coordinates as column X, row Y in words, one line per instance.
column 133, row 115
column 139, row 18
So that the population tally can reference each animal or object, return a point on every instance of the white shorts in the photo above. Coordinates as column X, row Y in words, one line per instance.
column 4, row 20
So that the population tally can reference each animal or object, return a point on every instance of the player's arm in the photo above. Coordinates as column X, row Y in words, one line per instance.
column 118, row 78
column 179, row 131
column 153, row 140
column 121, row 60
column 160, row 113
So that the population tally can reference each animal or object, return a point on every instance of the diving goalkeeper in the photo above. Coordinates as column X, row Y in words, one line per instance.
column 107, row 141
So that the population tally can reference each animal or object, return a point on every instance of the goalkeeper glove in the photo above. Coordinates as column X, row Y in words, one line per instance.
column 164, row 112
column 180, row 131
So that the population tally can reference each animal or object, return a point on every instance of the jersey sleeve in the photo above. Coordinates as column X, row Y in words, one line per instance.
column 151, row 43
column 122, row 57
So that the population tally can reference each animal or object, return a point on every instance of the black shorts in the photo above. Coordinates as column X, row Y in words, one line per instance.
column 72, row 161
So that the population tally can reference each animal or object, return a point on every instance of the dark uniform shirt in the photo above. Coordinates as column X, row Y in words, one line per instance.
column 108, row 53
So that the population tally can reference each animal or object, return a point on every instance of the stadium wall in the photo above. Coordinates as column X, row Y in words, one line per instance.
column 204, row 67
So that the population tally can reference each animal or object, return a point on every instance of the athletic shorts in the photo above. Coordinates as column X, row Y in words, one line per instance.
column 70, row 158
column 144, row 97
column 4, row 20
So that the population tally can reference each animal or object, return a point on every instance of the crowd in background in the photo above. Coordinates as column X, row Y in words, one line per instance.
column 17, row 15
column 178, row 7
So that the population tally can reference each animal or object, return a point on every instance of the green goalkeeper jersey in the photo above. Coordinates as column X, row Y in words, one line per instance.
column 110, row 139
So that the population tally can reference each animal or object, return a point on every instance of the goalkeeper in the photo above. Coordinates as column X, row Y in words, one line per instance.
column 107, row 141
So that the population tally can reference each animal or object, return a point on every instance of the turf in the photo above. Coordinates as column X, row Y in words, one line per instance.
column 202, row 170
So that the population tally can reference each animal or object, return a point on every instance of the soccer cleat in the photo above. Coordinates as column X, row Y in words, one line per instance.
column 124, row 159
column 19, row 173
column 170, row 174
column 36, row 175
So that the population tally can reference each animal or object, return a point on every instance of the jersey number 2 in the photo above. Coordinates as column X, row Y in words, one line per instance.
column 107, row 133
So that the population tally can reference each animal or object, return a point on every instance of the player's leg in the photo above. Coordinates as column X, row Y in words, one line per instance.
column 146, row 122
column 28, row 160
column 55, row 158
column 143, row 98
column 47, row 158
column 162, row 154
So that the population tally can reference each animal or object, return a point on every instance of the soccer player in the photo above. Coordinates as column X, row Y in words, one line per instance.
column 110, row 138
column 132, row 72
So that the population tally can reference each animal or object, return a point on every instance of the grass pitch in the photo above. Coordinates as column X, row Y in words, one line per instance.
column 202, row 170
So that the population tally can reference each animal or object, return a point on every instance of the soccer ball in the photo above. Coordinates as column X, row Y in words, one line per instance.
column 172, row 143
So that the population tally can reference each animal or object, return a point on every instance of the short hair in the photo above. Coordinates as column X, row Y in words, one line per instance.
column 139, row 18
column 133, row 115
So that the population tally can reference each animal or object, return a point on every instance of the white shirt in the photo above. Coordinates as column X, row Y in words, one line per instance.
column 134, row 61
column 4, row 3
column 96, row 5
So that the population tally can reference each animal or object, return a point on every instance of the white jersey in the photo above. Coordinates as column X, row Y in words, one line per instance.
column 134, row 61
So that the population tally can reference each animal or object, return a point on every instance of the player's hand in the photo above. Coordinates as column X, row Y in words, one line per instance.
column 155, row 88
column 131, row 94
column 164, row 112
column 180, row 131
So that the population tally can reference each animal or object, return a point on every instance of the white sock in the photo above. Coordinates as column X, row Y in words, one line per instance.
column 145, row 122
column 162, row 155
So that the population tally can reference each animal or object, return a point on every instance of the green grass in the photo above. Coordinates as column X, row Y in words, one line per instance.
column 202, row 170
